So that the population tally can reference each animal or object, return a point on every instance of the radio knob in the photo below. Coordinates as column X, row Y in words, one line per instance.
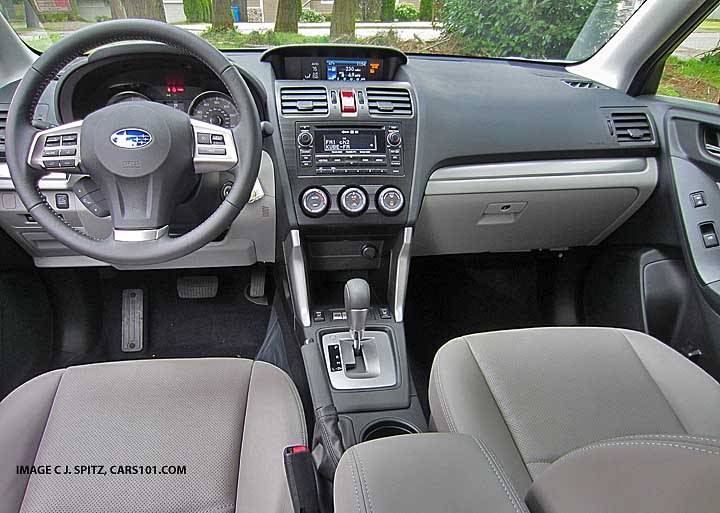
column 305, row 138
column 390, row 201
column 353, row 201
column 394, row 139
column 315, row 202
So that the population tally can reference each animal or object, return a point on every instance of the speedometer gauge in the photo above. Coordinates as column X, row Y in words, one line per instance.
column 215, row 108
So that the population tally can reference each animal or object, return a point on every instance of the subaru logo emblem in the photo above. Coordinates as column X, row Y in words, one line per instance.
column 131, row 138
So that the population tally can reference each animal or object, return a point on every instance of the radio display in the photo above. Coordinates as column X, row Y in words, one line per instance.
column 349, row 141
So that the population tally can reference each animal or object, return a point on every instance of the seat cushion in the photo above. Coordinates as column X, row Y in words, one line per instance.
column 535, row 395
column 226, row 421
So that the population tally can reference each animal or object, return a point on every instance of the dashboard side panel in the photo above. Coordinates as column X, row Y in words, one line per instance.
column 530, row 205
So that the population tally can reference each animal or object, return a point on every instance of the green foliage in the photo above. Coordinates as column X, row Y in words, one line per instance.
column 300, row 9
column 539, row 29
column 54, row 17
column 406, row 12
column 426, row 10
column 387, row 10
column 198, row 11
column 100, row 19
column 310, row 16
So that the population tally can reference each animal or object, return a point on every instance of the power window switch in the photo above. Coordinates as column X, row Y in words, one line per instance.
column 698, row 199
column 384, row 312
column 709, row 235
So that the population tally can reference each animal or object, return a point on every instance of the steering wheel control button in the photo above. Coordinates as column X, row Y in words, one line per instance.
column 68, row 152
column 51, row 164
column 305, row 138
column 62, row 201
column 51, row 153
column 212, row 150
column 353, row 201
column 69, row 140
column 218, row 139
column 53, row 140
column 203, row 138
column 315, row 202
column 390, row 201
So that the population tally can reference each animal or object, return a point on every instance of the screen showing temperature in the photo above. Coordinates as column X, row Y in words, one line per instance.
column 354, row 70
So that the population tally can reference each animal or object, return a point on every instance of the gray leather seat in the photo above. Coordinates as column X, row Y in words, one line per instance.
column 227, row 421
column 535, row 395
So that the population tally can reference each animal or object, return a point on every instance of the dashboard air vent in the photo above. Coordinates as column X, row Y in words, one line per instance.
column 387, row 101
column 304, row 101
column 4, row 107
column 632, row 127
column 581, row 84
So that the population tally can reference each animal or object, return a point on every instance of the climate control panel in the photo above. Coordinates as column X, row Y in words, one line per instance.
column 352, row 200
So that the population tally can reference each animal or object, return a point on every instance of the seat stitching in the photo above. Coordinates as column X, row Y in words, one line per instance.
column 652, row 378
column 298, row 405
column 443, row 401
column 354, row 482
column 504, row 485
column 242, row 436
column 363, row 479
column 42, row 436
column 661, row 444
column 326, row 436
column 503, row 416
column 504, row 475
column 662, row 435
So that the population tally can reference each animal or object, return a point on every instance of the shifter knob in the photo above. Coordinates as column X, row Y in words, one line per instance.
column 357, row 304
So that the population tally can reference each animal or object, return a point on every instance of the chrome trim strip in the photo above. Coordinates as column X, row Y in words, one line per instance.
column 297, row 275
column 140, row 235
column 399, row 271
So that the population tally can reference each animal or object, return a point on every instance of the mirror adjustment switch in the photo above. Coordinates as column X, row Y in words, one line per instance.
column 709, row 235
column 698, row 199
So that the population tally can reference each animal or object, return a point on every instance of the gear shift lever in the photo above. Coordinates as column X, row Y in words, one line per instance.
column 357, row 303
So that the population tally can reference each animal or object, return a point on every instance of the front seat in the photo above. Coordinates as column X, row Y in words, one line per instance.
column 101, row 438
column 534, row 395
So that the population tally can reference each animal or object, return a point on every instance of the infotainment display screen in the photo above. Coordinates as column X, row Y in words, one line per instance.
column 348, row 141
column 336, row 69
column 351, row 69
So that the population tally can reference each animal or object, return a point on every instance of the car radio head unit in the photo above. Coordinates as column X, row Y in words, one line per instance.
column 356, row 149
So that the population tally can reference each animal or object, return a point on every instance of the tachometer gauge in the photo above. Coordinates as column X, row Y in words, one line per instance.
column 127, row 96
column 215, row 108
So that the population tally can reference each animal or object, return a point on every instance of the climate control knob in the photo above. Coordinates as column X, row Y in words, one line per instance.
column 315, row 202
column 394, row 139
column 353, row 201
column 305, row 138
column 390, row 201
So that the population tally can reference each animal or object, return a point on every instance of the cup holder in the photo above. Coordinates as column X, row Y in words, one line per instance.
column 387, row 427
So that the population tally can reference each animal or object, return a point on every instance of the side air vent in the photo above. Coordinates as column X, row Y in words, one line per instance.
column 4, row 107
column 304, row 101
column 581, row 84
column 632, row 127
column 387, row 101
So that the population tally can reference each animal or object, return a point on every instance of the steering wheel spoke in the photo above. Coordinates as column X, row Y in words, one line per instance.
column 215, row 149
column 57, row 149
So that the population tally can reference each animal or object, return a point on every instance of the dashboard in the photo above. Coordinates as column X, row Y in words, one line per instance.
column 367, row 142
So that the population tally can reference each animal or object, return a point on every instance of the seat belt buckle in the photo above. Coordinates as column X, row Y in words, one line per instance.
column 302, row 479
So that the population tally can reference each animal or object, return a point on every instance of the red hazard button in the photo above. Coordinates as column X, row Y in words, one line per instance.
column 347, row 101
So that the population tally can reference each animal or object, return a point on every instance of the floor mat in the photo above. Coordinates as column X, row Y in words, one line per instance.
column 459, row 295
column 226, row 325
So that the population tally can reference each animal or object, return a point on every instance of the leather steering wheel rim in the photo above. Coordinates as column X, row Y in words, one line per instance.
column 21, row 133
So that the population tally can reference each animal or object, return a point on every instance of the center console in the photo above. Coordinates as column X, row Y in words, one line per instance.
column 348, row 131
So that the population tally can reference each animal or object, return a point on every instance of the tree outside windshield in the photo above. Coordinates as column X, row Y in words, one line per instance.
column 563, row 30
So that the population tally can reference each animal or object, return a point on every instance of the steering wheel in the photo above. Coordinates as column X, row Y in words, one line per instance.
column 142, row 155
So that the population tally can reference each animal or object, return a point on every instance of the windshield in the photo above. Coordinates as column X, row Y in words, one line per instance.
column 558, row 30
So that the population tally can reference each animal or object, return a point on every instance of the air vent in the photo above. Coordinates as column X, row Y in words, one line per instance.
column 632, row 127
column 304, row 101
column 3, row 120
column 581, row 84
column 386, row 101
